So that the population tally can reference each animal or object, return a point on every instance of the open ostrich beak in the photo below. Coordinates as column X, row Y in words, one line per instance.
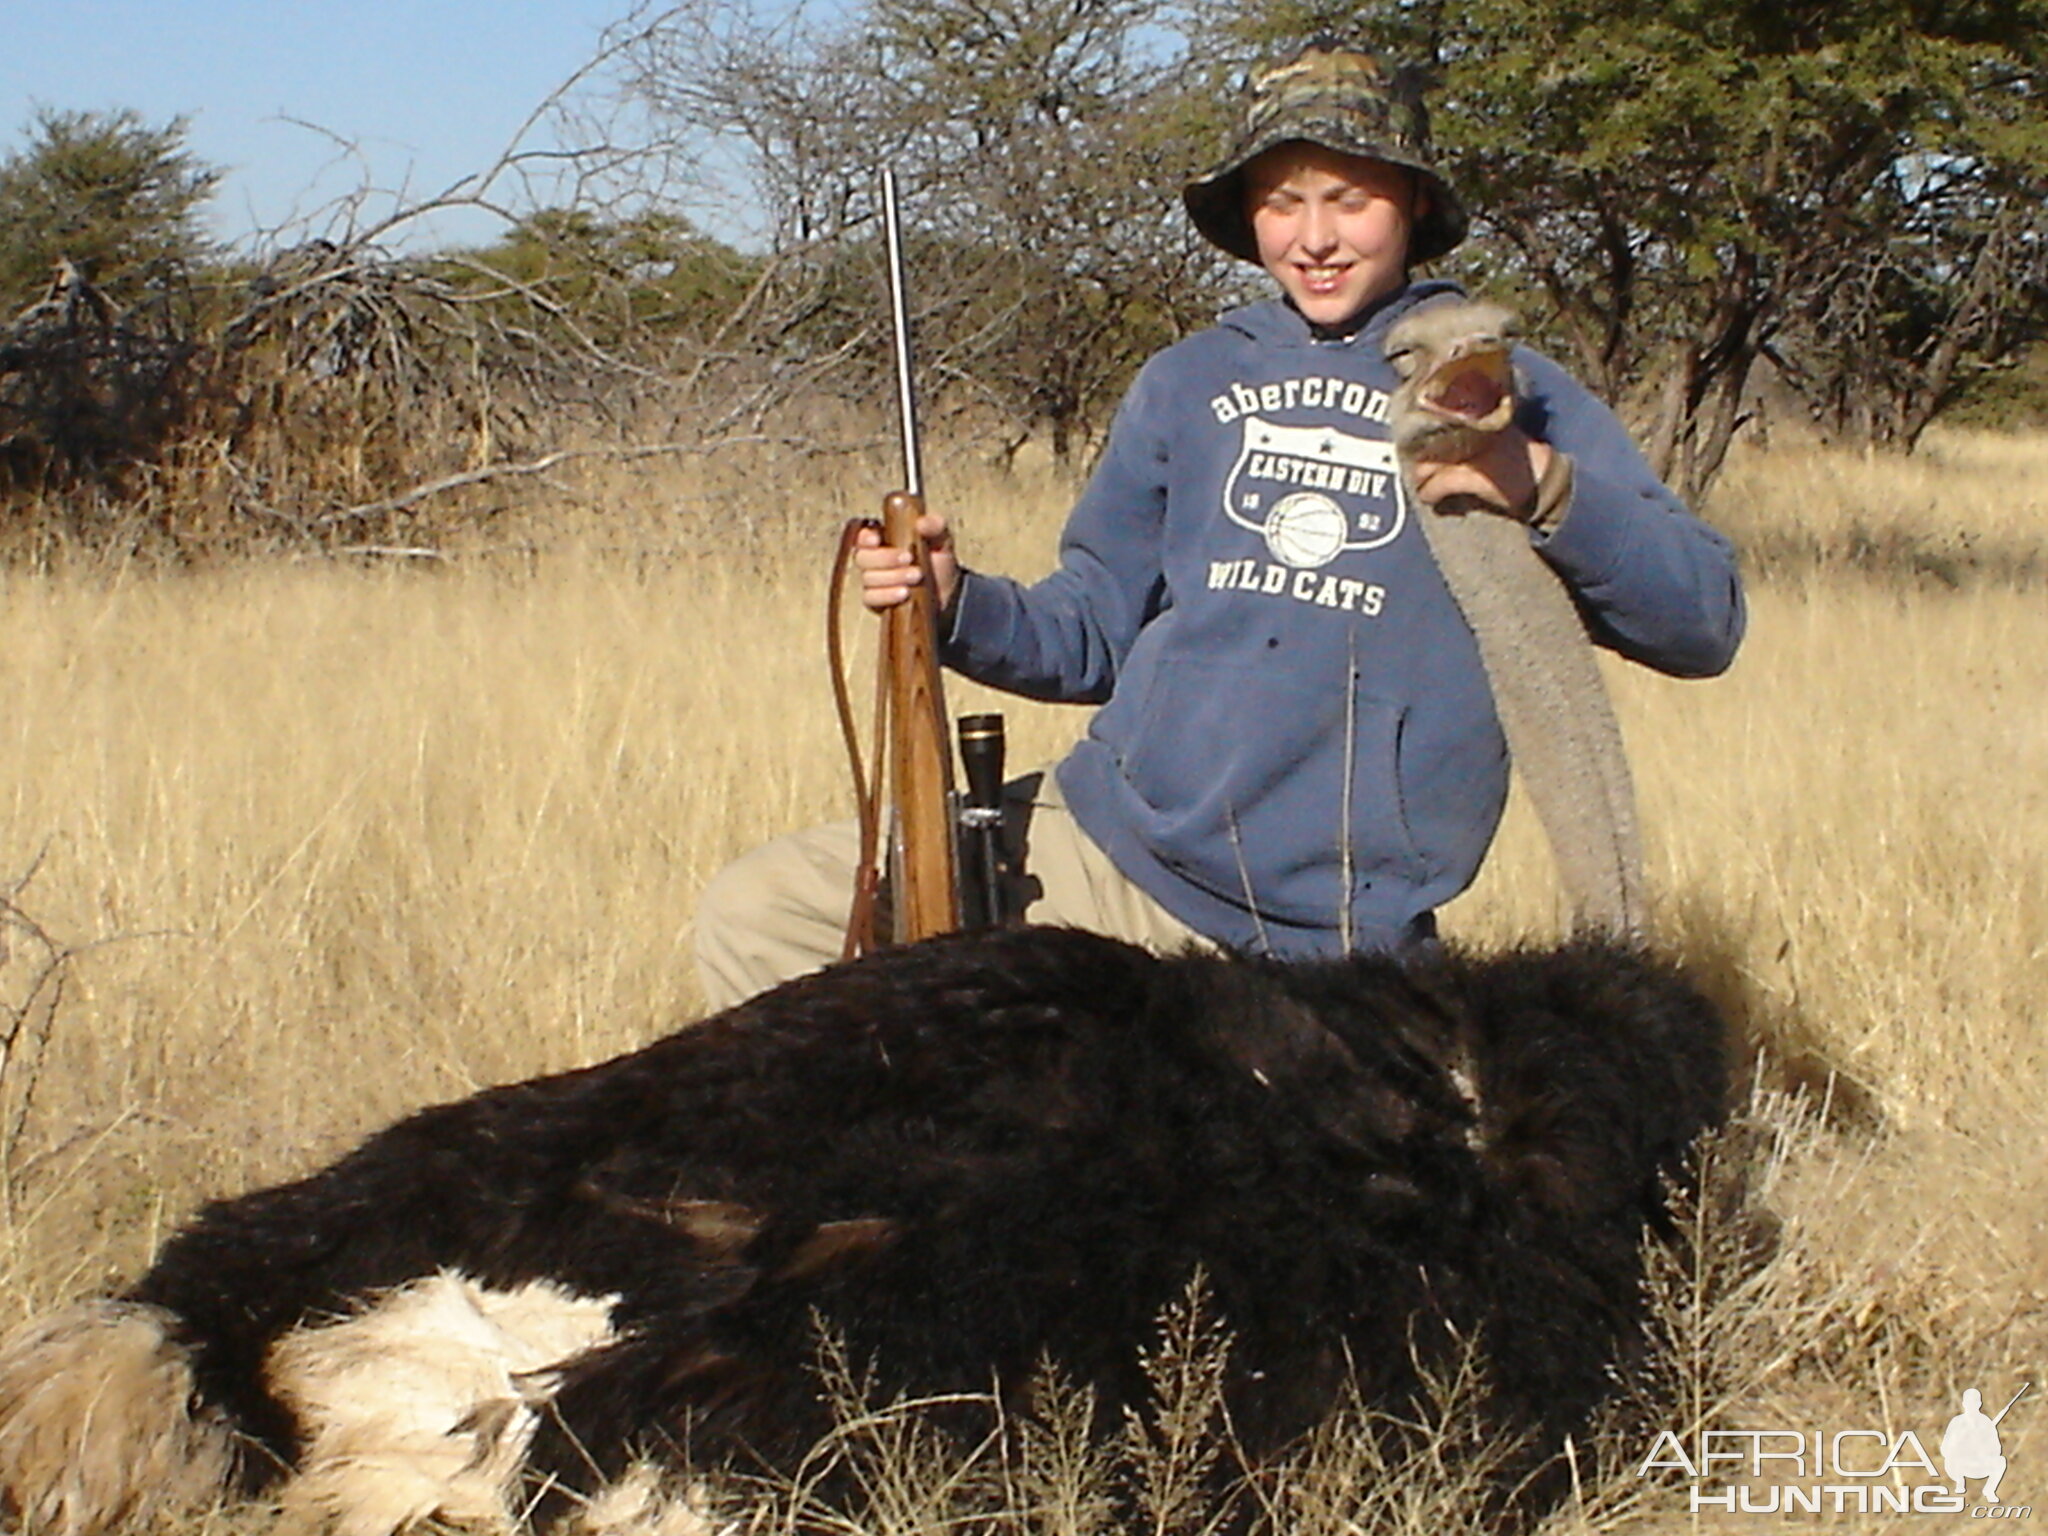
column 1472, row 388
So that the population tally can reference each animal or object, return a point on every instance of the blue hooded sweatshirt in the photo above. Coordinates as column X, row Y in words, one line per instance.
column 1244, row 590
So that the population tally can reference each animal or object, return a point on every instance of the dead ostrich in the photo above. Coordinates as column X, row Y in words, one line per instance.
column 965, row 1157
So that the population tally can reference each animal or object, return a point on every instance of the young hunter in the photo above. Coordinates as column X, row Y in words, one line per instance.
column 1296, row 748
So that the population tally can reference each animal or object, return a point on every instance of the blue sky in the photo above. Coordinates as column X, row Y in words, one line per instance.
column 430, row 90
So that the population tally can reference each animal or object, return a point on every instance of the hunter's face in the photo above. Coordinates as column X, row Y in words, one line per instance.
column 1332, row 228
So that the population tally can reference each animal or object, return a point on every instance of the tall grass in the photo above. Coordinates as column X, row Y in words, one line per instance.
column 317, row 843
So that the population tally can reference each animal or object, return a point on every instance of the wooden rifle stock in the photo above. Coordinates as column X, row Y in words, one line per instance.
column 924, row 879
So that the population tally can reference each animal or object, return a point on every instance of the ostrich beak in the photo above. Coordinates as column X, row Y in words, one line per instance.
column 1474, row 387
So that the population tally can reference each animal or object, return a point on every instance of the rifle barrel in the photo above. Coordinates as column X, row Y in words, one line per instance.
column 899, row 305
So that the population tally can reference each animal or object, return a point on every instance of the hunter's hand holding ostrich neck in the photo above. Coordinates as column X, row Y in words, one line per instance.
column 1458, row 390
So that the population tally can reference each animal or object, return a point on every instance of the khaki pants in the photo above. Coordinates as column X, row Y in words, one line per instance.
column 780, row 910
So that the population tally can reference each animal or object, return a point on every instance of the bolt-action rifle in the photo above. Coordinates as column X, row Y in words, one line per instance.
column 928, row 830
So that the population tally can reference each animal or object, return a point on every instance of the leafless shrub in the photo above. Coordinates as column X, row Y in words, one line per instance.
column 87, row 388
column 35, row 966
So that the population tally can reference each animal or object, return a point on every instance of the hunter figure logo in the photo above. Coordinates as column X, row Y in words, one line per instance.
column 1861, row 1471
column 1313, row 492
column 1970, row 1447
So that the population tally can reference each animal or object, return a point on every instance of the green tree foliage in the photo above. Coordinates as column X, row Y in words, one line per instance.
column 650, row 277
column 116, row 196
column 1696, row 186
column 99, row 233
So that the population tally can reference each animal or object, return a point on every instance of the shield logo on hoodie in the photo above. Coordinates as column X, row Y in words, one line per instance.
column 1312, row 493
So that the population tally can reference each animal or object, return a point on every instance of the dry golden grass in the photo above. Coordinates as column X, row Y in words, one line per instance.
column 323, row 843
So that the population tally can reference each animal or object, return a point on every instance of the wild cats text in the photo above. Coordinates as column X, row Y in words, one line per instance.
column 1346, row 593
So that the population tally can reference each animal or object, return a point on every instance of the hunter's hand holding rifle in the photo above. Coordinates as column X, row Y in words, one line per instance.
column 890, row 573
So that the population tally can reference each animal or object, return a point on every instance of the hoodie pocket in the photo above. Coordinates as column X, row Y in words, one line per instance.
column 1247, row 785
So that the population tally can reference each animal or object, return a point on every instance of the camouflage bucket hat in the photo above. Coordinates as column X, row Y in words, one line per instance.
column 1343, row 101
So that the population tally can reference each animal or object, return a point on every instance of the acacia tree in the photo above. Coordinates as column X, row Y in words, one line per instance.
column 1951, row 282
column 99, row 216
column 1695, row 186
column 104, row 190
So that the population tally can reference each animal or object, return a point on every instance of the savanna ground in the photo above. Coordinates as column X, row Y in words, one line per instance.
column 317, row 843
